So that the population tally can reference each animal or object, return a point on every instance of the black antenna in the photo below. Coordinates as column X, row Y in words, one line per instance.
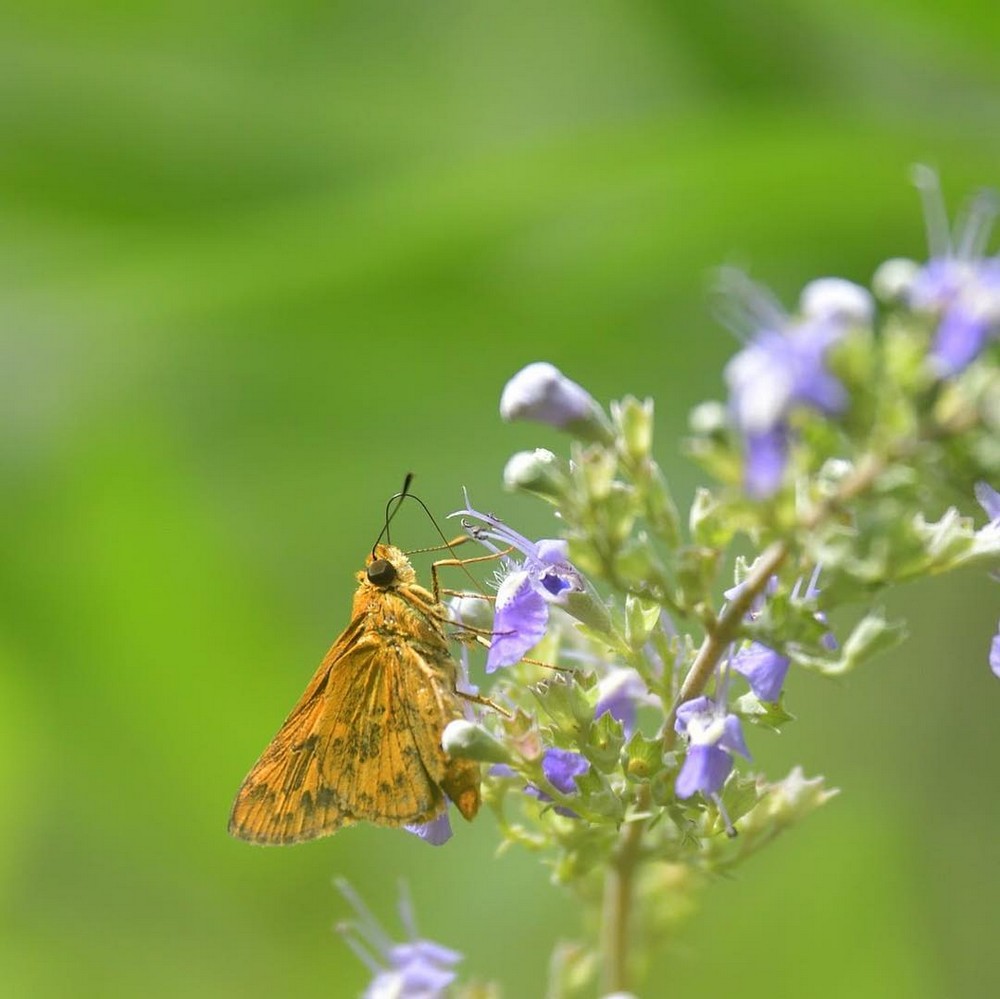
column 391, row 511
column 398, row 500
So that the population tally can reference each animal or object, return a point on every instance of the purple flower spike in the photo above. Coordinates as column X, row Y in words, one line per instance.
column 543, row 577
column 764, row 669
column 714, row 737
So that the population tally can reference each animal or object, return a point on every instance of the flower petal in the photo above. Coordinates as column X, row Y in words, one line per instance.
column 689, row 709
column 732, row 737
column 989, row 500
column 437, row 832
column 961, row 336
column 766, row 456
column 705, row 769
column 561, row 768
column 519, row 622
column 764, row 669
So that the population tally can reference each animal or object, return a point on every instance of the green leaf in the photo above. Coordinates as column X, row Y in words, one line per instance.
column 750, row 708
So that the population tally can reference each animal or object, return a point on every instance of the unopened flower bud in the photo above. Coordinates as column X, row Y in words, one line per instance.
column 634, row 420
column 709, row 418
column 543, row 393
column 894, row 279
column 538, row 472
column 469, row 741
column 838, row 300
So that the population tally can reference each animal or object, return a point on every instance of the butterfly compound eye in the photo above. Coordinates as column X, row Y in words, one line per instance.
column 381, row 573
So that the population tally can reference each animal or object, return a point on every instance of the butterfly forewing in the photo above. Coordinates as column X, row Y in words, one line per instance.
column 364, row 741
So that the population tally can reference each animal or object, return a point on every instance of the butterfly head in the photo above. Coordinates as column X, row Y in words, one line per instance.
column 388, row 568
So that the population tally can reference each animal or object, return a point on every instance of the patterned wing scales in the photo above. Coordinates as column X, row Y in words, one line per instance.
column 431, row 702
column 345, row 753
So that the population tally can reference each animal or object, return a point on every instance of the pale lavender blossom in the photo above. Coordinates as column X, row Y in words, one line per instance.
column 995, row 654
column 713, row 737
column 544, row 576
column 766, row 456
column 959, row 284
column 781, row 368
column 415, row 969
column 764, row 669
column 561, row 768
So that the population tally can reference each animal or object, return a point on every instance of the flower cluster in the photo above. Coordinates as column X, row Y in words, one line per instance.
column 616, row 741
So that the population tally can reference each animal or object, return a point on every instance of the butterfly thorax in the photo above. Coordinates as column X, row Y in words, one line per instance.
column 401, row 608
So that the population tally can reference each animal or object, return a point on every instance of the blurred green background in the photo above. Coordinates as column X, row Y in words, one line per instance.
column 258, row 261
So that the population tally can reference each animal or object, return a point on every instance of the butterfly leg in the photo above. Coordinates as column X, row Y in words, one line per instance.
column 485, row 701
column 462, row 562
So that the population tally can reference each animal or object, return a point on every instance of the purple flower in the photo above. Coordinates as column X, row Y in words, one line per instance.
column 416, row 969
column 764, row 669
column 619, row 694
column 766, row 457
column 543, row 577
column 561, row 767
column 713, row 738
column 959, row 285
column 421, row 970
column 781, row 368
column 995, row 654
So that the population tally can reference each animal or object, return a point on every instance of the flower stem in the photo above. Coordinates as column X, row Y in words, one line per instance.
column 617, row 907
column 725, row 630
column 726, row 627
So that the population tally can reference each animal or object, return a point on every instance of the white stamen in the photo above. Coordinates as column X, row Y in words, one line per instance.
column 935, row 214
column 972, row 232
column 744, row 306
column 368, row 927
